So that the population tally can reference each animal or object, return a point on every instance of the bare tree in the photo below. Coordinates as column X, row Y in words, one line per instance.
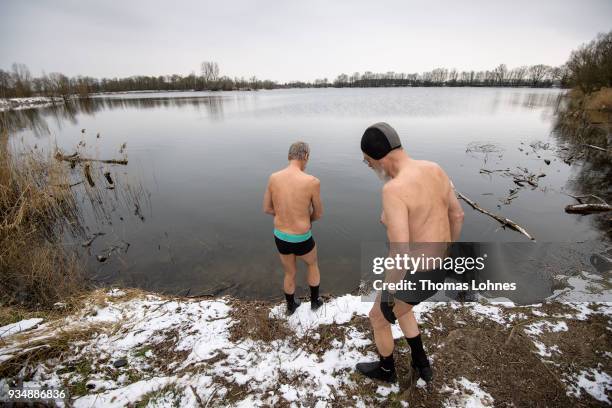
column 210, row 71
column 499, row 74
column 537, row 73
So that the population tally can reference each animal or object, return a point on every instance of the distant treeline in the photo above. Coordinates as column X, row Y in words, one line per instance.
column 534, row 76
column 18, row 82
column 589, row 68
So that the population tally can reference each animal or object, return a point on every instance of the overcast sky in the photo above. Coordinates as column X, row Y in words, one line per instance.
column 288, row 40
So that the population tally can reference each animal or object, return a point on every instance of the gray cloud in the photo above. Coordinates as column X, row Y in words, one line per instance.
column 285, row 40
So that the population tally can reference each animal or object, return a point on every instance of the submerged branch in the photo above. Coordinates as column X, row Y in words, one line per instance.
column 505, row 222
column 75, row 158
column 587, row 208
column 595, row 147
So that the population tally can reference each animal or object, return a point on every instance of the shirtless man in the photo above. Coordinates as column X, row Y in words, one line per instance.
column 419, row 206
column 294, row 199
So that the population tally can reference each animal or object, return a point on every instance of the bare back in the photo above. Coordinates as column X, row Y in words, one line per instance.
column 425, row 190
column 294, row 196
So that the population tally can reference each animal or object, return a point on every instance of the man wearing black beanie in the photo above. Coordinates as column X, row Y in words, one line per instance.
column 420, row 210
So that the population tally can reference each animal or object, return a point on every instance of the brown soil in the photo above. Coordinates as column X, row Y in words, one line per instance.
column 505, row 366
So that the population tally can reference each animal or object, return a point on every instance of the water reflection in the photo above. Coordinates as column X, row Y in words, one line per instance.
column 592, row 173
column 203, row 160
column 36, row 119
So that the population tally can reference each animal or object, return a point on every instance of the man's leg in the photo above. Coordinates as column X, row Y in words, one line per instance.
column 406, row 319
column 313, row 277
column 382, row 330
column 410, row 328
column 384, row 369
column 288, row 262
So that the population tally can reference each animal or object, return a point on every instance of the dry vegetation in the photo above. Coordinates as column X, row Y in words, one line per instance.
column 36, row 209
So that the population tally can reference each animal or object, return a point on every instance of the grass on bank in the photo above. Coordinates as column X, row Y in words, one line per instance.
column 36, row 208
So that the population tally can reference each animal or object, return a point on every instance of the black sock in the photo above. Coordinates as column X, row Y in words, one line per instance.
column 419, row 358
column 290, row 298
column 314, row 293
column 387, row 363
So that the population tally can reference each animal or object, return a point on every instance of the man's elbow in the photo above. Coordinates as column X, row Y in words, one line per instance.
column 457, row 217
column 316, row 216
column 268, row 210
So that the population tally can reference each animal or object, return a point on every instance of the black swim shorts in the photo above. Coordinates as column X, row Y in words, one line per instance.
column 295, row 248
column 412, row 297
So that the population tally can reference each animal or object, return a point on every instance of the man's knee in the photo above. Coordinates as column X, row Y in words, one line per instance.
column 377, row 319
column 401, row 309
column 310, row 260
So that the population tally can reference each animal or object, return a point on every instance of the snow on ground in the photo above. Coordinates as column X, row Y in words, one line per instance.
column 595, row 382
column 18, row 327
column 168, row 351
column 27, row 103
column 465, row 393
column 338, row 311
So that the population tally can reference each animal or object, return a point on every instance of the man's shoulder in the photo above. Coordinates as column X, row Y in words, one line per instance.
column 309, row 178
column 313, row 179
column 393, row 187
column 430, row 165
column 278, row 174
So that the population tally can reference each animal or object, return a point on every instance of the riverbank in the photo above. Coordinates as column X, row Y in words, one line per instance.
column 29, row 103
column 128, row 347
column 592, row 109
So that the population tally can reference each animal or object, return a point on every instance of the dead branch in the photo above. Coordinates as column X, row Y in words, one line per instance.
column 505, row 222
column 87, row 171
column 75, row 158
column 91, row 240
column 581, row 198
column 587, row 208
column 595, row 147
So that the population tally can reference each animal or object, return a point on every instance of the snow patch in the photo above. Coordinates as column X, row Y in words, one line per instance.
column 596, row 383
column 468, row 394
column 19, row 327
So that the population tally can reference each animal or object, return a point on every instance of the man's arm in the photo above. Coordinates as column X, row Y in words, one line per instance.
column 455, row 214
column 268, row 205
column 398, row 232
column 317, row 205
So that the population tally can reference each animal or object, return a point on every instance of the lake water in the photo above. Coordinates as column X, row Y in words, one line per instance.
column 202, row 162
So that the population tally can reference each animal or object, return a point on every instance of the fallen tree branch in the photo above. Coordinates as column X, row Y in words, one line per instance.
column 595, row 147
column 92, row 239
column 587, row 208
column 581, row 198
column 75, row 158
column 505, row 222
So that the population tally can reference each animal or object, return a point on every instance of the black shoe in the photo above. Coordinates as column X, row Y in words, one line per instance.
column 425, row 373
column 316, row 304
column 375, row 371
column 291, row 308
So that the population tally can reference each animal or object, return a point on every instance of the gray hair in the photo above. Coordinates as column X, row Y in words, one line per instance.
column 299, row 151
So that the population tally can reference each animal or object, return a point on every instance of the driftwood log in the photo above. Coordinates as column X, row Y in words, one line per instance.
column 75, row 158
column 505, row 222
column 587, row 208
